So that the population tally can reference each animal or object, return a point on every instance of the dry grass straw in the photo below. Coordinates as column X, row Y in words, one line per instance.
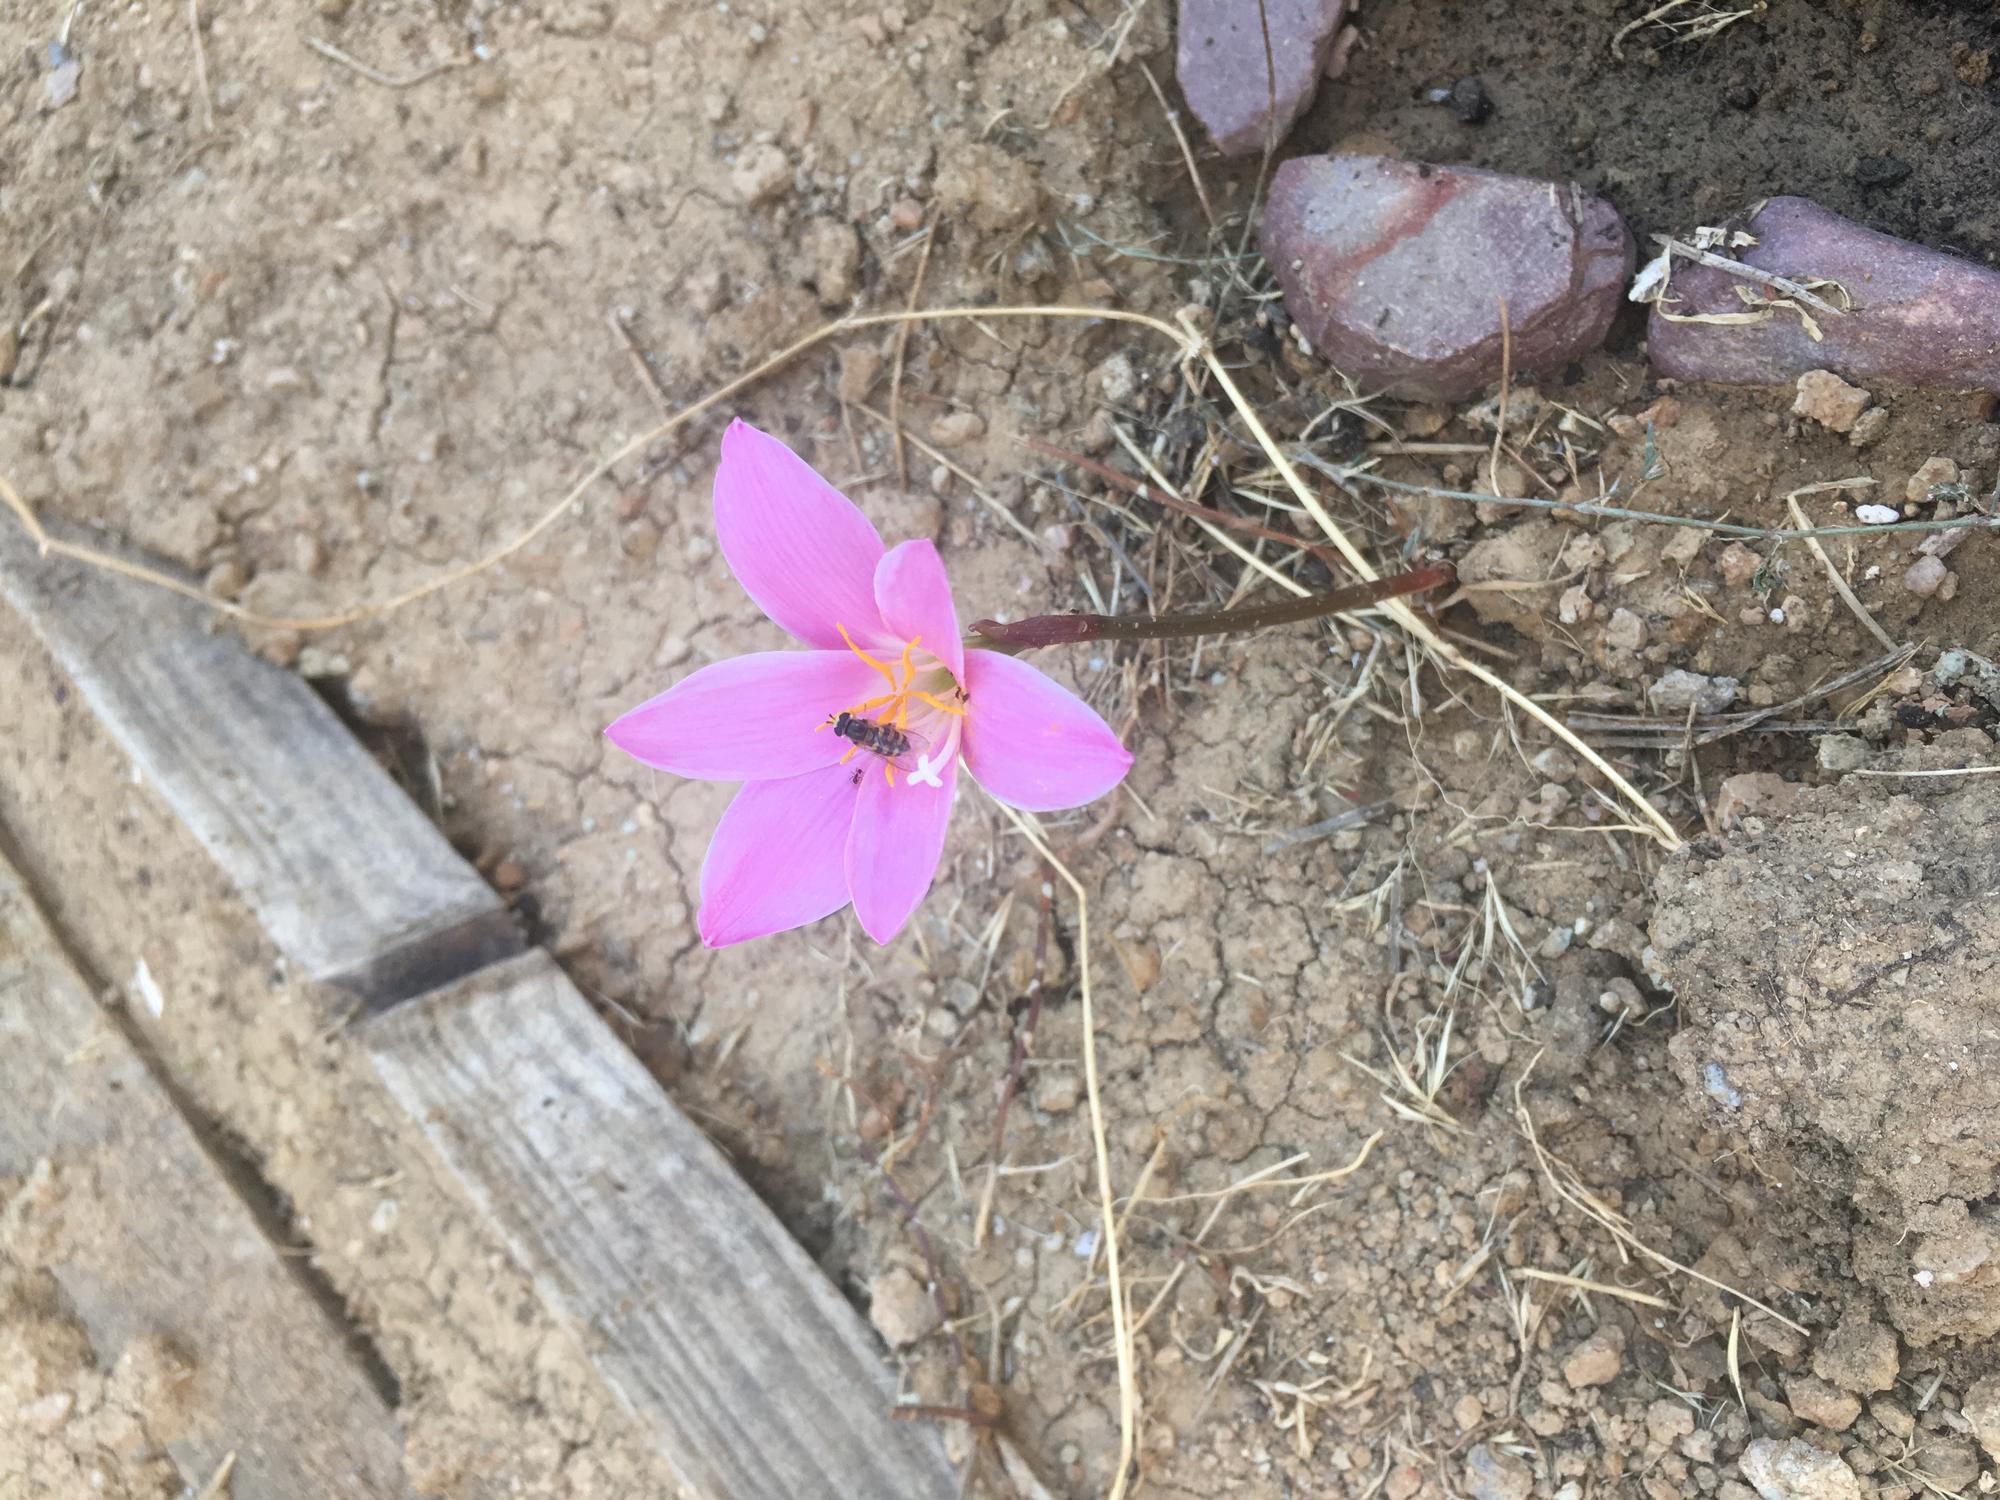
column 1566, row 1185
column 1840, row 587
column 1122, row 1333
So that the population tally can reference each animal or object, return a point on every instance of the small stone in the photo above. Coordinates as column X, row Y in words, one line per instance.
column 906, row 214
column 1825, row 398
column 1931, row 473
column 1869, row 428
column 1929, row 319
column 900, row 1308
column 1467, row 1412
column 1796, row 1470
column 1680, row 690
column 488, row 86
column 1404, row 1481
column 509, row 875
column 835, row 253
column 1981, row 1407
column 859, row 368
column 1754, row 794
column 1395, row 271
column 1897, row 1421
column 1738, row 564
column 1668, row 1420
column 1470, row 101
column 1813, row 1400
column 1493, row 1475
column 957, row 428
column 1597, row 1360
column 1877, row 515
column 1245, row 94
column 1926, row 576
column 1859, row 1355
column 1625, row 633
column 762, row 172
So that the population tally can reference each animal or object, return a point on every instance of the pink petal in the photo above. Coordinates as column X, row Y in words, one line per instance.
column 796, row 544
column 914, row 596
column 892, row 854
column 776, row 859
column 750, row 718
column 1032, row 742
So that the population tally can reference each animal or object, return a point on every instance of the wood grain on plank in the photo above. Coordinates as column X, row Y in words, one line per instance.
column 698, row 1307
column 346, row 874
column 113, row 1194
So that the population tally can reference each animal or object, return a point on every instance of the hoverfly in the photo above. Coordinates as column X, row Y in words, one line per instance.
column 901, row 748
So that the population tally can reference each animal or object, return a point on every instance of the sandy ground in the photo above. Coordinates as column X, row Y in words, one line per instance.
column 316, row 336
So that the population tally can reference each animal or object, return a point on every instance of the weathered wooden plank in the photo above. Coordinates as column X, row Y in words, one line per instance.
column 114, row 1195
column 699, row 1309
column 346, row 874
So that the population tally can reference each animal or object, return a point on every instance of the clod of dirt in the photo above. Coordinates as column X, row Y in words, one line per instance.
column 1796, row 1470
column 1680, row 690
column 1814, row 1400
column 762, row 172
column 1754, row 794
column 900, row 1308
column 1981, row 1408
column 1248, row 94
column 1926, row 576
column 1597, row 1360
column 1396, row 271
column 1835, row 976
column 1918, row 315
column 993, row 192
column 1830, row 401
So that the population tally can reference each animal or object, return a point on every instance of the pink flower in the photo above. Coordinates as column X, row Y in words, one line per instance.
column 835, row 810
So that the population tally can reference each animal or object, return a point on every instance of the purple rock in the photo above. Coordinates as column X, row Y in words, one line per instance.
column 1917, row 315
column 1245, row 96
column 1396, row 270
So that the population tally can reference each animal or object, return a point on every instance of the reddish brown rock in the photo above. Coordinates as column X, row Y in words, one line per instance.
column 1918, row 315
column 1243, row 94
column 1396, row 271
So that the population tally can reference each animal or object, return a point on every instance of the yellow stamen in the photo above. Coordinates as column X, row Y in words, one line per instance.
column 887, row 672
column 852, row 751
column 888, row 773
column 934, row 703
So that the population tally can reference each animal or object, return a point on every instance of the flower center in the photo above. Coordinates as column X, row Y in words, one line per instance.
column 913, row 725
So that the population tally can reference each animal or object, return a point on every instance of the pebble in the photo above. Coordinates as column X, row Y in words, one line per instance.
column 1859, row 1355
column 1877, row 515
column 1395, row 270
column 1057, row 1091
column 226, row 580
column 762, row 172
column 1931, row 473
column 1738, row 564
column 1554, row 764
column 1825, row 398
column 1245, row 95
column 1922, row 317
column 899, row 1307
column 1491, row 1474
column 1813, row 1400
column 1597, row 1360
column 1681, row 690
column 835, row 252
column 1796, row 1470
column 1926, row 576
column 1843, row 752
column 1668, row 1420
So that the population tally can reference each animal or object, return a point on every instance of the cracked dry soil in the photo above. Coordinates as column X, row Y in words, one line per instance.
column 355, row 334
